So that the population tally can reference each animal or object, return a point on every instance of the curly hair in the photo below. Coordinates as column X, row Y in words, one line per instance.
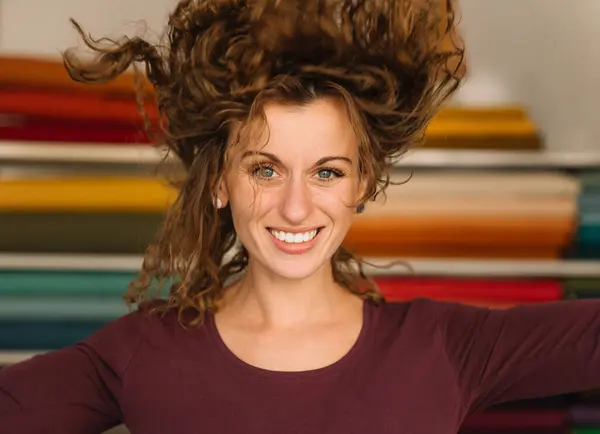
column 386, row 60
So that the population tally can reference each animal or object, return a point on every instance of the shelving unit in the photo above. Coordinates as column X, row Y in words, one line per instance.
column 12, row 357
column 379, row 266
column 142, row 155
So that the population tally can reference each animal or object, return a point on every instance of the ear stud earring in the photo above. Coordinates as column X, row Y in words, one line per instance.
column 218, row 203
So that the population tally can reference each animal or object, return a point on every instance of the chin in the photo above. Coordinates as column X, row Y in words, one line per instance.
column 294, row 268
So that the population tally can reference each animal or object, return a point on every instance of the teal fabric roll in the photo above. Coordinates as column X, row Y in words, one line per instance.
column 39, row 335
column 587, row 237
column 61, row 308
column 63, row 283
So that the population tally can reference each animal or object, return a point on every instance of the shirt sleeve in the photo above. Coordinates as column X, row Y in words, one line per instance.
column 528, row 351
column 72, row 390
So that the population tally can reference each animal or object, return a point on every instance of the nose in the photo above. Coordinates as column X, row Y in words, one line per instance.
column 296, row 202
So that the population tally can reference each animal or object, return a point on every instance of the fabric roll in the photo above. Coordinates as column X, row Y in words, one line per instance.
column 483, row 128
column 38, row 335
column 492, row 292
column 49, row 74
column 63, row 283
column 73, row 106
column 24, row 128
column 56, row 232
column 55, row 307
column 582, row 287
column 79, row 194
column 470, row 214
column 586, row 243
column 585, row 415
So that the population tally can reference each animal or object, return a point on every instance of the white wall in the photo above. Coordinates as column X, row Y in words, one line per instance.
column 543, row 54
column 41, row 27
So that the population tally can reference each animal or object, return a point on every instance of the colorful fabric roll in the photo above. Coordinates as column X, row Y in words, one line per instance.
column 49, row 74
column 78, row 232
column 85, row 194
column 493, row 293
column 41, row 335
column 63, row 283
column 73, row 106
column 582, row 287
column 24, row 128
column 470, row 214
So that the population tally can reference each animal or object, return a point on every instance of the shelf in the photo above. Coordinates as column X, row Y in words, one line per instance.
column 97, row 154
column 487, row 159
column 68, row 262
column 488, row 268
column 12, row 357
column 399, row 267
column 141, row 155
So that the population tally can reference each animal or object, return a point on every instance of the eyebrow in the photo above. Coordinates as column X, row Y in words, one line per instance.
column 274, row 157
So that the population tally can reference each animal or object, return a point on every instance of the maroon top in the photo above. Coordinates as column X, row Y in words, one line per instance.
column 417, row 367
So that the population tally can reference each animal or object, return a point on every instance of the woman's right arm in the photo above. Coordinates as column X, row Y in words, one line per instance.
column 72, row 390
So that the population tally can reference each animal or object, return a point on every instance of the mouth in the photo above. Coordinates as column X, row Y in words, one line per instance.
column 294, row 237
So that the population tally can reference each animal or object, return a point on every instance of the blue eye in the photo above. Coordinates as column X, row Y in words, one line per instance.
column 263, row 171
column 266, row 172
column 329, row 174
column 325, row 173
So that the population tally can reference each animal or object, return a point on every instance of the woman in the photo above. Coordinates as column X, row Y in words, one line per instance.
column 287, row 115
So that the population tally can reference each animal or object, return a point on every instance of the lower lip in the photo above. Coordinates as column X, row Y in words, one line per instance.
column 294, row 248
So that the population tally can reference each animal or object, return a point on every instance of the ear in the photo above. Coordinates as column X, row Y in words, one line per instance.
column 362, row 188
column 221, row 197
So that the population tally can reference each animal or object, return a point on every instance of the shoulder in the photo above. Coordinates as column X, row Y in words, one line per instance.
column 423, row 315
column 118, row 342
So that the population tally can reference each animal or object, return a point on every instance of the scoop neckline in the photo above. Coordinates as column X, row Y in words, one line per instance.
column 332, row 368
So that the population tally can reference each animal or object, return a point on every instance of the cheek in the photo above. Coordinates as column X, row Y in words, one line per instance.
column 338, row 202
column 246, row 200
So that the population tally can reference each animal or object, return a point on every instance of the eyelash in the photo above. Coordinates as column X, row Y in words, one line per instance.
column 262, row 166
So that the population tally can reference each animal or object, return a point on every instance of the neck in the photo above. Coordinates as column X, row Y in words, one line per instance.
column 279, row 302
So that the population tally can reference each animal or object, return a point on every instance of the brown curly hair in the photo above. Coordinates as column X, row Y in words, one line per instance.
column 387, row 60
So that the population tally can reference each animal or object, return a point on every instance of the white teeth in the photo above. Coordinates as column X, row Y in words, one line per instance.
column 293, row 238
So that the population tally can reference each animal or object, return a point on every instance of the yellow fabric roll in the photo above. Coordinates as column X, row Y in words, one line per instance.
column 85, row 194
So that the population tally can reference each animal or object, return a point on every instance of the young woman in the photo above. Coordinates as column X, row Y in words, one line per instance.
column 287, row 115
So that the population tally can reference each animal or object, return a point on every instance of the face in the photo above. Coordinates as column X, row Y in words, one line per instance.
column 293, row 187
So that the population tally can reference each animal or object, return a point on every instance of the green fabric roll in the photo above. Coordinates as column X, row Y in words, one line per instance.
column 63, row 283
column 61, row 308
column 77, row 232
column 582, row 287
column 590, row 181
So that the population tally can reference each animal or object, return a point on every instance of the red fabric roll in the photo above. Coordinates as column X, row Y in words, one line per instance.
column 496, row 293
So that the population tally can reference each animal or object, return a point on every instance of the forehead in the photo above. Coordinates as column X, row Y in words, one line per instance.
column 303, row 133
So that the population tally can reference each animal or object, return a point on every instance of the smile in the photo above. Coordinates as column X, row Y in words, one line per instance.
column 294, row 237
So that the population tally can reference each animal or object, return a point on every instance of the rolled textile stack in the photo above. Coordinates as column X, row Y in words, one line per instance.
column 40, row 102
column 584, row 412
column 490, row 292
column 587, row 238
column 499, row 128
column 57, row 207
column 470, row 214
column 81, row 214
column 45, row 308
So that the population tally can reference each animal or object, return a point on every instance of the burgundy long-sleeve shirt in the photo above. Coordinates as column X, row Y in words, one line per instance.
column 417, row 367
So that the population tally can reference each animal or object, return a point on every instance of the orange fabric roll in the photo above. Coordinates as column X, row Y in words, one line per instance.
column 50, row 74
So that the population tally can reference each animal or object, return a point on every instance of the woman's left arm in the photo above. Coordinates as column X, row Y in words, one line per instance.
column 523, row 352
